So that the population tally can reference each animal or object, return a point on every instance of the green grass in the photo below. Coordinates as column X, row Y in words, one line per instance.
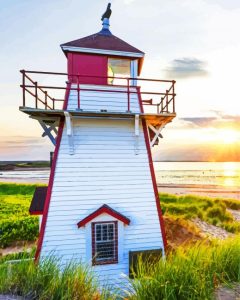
column 20, row 255
column 189, row 273
column 211, row 210
column 49, row 281
column 17, row 189
column 15, row 222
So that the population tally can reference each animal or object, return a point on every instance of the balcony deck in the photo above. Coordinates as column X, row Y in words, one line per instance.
column 47, row 114
column 109, row 101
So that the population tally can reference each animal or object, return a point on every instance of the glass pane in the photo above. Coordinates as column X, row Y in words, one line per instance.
column 105, row 231
column 98, row 233
column 105, row 250
column 110, row 232
column 118, row 67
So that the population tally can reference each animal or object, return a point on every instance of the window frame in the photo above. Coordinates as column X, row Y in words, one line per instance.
column 104, row 261
column 124, row 77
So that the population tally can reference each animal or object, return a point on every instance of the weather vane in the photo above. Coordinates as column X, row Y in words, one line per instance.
column 107, row 13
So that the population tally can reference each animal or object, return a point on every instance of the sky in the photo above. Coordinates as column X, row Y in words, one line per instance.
column 197, row 43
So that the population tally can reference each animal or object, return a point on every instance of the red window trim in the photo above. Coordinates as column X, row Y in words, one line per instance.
column 104, row 209
column 104, row 262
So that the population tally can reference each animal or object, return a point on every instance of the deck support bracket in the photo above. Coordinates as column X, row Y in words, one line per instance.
column 69, row 127
column 136, row 146
column 48, row 127
column 157, row 133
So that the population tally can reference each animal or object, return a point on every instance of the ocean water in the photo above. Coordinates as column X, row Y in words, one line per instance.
column 25, row 175
column 224, row 174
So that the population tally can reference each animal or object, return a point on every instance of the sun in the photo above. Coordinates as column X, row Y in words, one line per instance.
column 230, row 136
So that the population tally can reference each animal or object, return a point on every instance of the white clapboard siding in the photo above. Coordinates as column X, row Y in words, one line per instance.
column 104, row 169
column 110, row 98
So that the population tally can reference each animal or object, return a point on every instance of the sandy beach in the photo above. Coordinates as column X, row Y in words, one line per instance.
column 23, row 180
column 205, row 190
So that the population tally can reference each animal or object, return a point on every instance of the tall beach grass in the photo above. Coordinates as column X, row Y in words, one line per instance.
column 48, row 280
column 189, row 273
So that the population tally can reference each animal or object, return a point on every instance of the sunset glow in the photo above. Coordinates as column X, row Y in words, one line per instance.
column 230, row 170
column 229, row 136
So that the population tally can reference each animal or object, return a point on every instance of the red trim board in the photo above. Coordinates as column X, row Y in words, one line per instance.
column 154, row 183
column 36, row 213
column 145, row 131
column 101, row 210
column 51, row 179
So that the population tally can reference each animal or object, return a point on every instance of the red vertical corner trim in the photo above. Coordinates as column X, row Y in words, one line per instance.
column 51, row 179
column 145, row 131
column 154, row 183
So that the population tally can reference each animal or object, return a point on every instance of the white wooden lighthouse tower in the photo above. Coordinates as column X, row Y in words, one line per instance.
column 101, row 205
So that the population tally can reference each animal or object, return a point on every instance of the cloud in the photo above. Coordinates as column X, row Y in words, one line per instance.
column 24, row 147
column 221, row 120
column 198, row 152
column 201, row 121
column 186, row 67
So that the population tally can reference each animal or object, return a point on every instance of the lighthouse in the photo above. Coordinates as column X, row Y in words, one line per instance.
column 101, row 206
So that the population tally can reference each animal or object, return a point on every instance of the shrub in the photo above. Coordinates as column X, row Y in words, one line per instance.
column 15, row 222
column 233, row 227
column 18, row 229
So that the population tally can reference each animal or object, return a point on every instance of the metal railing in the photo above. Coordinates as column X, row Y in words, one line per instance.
column 162, row 97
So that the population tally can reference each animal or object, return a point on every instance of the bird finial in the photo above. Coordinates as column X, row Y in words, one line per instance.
column 105, row 21
column 107, row 13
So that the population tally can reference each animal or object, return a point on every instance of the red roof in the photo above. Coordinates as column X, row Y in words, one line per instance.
column 101, row 210
column 103, row 41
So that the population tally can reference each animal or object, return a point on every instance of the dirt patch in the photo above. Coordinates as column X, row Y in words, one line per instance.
column 212, row 231
column 180, row 232
column 235, row 214
column 17, row 248
column 225, row 293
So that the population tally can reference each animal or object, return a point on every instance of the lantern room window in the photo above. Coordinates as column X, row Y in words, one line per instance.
column 118, row 67
column 105, row 242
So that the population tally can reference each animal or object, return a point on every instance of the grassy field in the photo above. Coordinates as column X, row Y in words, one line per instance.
column 17, row 225
column 187, row 273
column 15, row 222
column 211, row 210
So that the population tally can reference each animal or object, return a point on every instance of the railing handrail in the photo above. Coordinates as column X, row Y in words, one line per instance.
column 97, row 76
column 168, row 95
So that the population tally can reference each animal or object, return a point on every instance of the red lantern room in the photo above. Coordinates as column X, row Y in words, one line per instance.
column 100, row 58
